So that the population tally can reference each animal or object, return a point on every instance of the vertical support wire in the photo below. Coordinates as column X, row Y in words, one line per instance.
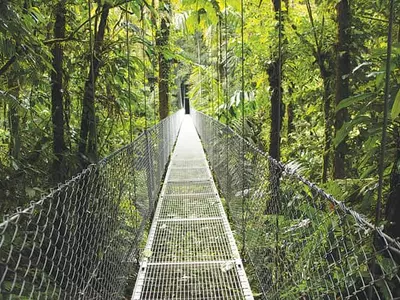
column 91, row 42
column 91, row 49
column 153, row 65
column 130, row 116
column 128, row 58
column 226, row 110
column 199, row 63
column 226, row 63
column 219, row 55
column 144, row 67
column 212, row 74
column 243, row 131
column 150, row 166
column 384, row 137
column 385, row 114
column 226, row 102
column 277, row 171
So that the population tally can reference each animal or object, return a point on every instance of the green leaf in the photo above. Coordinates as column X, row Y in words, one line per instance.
column 347, row 127
column 396, row 106
column 349, row 101
column 368, row 172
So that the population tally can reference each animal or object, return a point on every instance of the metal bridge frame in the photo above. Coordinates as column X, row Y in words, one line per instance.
column 186, row 270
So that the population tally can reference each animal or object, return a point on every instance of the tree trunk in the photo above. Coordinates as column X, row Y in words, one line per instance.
column 14, row 120
column 67, row 112
column 57, row 102
column 88, row 135
column 290, row 114
column 327, row 129
column 277, row 109
column 393, row 202
column 327, row 79
column 273, row 205
column 290, row 120
column 343, row 69
column 274, row 71
column 163, row 62
column 392, row 212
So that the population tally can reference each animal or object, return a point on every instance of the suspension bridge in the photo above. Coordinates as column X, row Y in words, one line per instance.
column 90, row 237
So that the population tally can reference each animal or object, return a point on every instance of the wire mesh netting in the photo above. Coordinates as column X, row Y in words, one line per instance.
column 82, row 240
column 298, row 241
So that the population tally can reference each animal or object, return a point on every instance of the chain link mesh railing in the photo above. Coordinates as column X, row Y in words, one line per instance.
column 298, row 241
column 82, row 241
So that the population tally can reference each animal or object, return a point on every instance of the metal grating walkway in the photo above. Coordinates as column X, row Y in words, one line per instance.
column 190, row 252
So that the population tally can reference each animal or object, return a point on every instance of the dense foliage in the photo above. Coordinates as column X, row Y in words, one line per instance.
column 75, row 86
column 333, row 65
column 78, row 81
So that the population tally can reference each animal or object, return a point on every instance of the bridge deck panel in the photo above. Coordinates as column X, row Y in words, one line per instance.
column 192, row 282
column 190, row 206
column 189, row 240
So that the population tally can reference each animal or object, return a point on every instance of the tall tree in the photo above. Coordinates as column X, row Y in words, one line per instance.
column 163, row 62
column 343, row 70
column 57, row 103
column 274, row 70
column 88, row 134
column 392, row 212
